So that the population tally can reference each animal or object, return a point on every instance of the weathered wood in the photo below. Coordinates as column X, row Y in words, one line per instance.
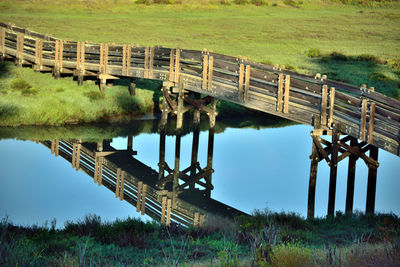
column 163, row 206
column 177, row 66
column 144, row 190
column 151, row 62
column 3, row 42
column 363, row 121
column 333, row 169
column 331, row 106
column 169, row 207
column 139, row 194
column 247, row 83
column 204, row 72
column 313, row 181
column 371, row 124
column 171, row 66
column 324, row 104
column 371, row 187
column 146, row 63
column 240, row 81
column 351, row 174
column 122, row 186
column 279, row 104
column 286, row 94
column 210, row 73
column 117, row 183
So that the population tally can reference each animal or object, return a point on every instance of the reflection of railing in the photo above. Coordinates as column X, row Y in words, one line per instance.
column 134, row 182
column 362, row 112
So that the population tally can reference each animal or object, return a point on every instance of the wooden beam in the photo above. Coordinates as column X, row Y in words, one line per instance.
column 210, row 73
column 333, row 169
column 331, row 106
column 371, row 187
column 351, row 174
column 117, row 182
column 171, row 65
column 139, row 194
column 124, row 60
column 240, row 82
column 371, row 124
column 163, row 206
column 122, row 187
column 204, row 72
column 146, row 62
column 363, row 121
column 151, row 62
column 286, row 94
column 324, row 104
column 177, row 64
column 144, row 190
column 247, row 83
column 279, row 104
column 169, row 207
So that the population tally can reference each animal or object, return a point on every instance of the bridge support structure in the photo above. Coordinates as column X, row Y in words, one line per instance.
column 333, row 152
column 177, row 101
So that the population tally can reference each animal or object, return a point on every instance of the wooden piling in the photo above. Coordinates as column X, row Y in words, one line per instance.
column 313, row 172
column 144, row 190
column 371, row 187
column 286, row 94
column 333, row 169
column 351, row 174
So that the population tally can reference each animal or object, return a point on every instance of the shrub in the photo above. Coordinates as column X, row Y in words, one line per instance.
column 94, row 96
column 29, row 91
column 394, row 63
column 20, row 84
column 225, row 2
column 259, row 2
column 378, row 76
column 291, row 255
column 313, row 52
column 274, row 4
column 241, row 2
column 144, row 2
column 292, row 3
column 60, row 90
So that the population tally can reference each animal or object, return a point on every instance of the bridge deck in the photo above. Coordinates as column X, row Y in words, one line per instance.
column 362, row 112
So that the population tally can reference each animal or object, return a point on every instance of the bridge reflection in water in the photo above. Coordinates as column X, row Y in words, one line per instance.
column 167, row 196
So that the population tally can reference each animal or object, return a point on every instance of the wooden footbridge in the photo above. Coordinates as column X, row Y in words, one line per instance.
column 367, row 119
column 138, row 184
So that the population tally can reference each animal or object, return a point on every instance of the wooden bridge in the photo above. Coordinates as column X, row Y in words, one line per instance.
column 367, row 119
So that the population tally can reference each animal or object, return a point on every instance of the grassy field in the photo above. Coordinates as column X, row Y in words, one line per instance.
column 266, row 239
column 359, row 43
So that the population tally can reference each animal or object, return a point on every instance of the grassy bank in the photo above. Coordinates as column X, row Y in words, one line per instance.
column 348, row 41
column 266, row 239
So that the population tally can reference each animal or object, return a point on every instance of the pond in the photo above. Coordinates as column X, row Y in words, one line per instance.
column 265, row 168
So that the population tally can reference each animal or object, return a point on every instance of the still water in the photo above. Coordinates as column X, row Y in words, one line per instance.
column 254, row 169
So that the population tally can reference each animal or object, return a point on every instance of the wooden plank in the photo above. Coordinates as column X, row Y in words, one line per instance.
column 210, row 73
column 82, row 57
column 240, row 81
column 56, row 56
column 124, row 60
column 286, row 94
column 57, row 149
column 96, row 169
column 73, row 155
column 163, row 206
column 3, row 42
column 202, row 220
column 279, row 104
column 78, row 156
column 151, row 62
column 171, row 65
column 371, row 124
column 324, row 104
column 78, row 55
column 128, row 60
column 105, row 64
column 204, row 72
column 121, row 193
column 169, row 205
column 146, row 62
column 363, row 121
column 331, row 106
column 144, row 190
column 138, row 197
column 177, row 66
column 100, row 172
column 196, row 219
column 247, row 83
column 117, row 182
column 101, row 60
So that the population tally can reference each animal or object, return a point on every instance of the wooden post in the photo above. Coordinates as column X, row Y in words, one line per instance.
column 240, row 83
column 138, row 197
column 331, row 106
column 210, row 150
column 163, row 131
column 371, row 124
column 132, row 87
column 286, row 94
column 144, row 189
column 363, row 121
column 169, row 207
column 351, row 178
column 333, row 169
column 163, row 206
column 247, row 83
column 122, row 186
column 210, row 73
column 3, row 43
column 280, row 93
column 204, row 72
column 129, row 145
column 179, row 115
column 177, row 64
column 78, row 156
column 313, row 173
column 371, row 188
column 117, row 182
column 195, row 144
column 171, row 65
column 324, row 104
column 57, row 149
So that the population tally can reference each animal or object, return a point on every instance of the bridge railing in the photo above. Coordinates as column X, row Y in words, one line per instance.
column 363, row 112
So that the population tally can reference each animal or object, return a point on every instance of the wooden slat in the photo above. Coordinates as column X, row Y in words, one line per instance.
column 117, row 183
column 286, row 94
column 210, row 73
column 171, row 65
column 124, row 60
column 247, row 83
column 151, row 62
column 279, row 104
column 169, row 205
column 363, row 121
column 138, row 197
column 324, row 104
column 144, row 190
column 163, row 206
column 146, row 62
column 177, row 64
column 240, row 81
column 205, row 72
column 371, row 124
column 121, row 194
column 331, row 106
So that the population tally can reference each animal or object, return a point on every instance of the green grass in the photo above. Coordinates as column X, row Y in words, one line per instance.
column 272, row 239
column 297, row 34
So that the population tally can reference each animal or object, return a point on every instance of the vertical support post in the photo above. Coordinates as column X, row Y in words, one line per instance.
column 280, row 93
column 129, row 145
column 351, row 174
column 163, row 131
column 3, row 43
column 163, row 206
column 210, row 73
column 286, row 94
column 371, row 187
column 210, row 150
column 195, row 144
column 179, row 120
column 313, row 173
column 324, row 104
column 132, row 87
column 333, row 167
